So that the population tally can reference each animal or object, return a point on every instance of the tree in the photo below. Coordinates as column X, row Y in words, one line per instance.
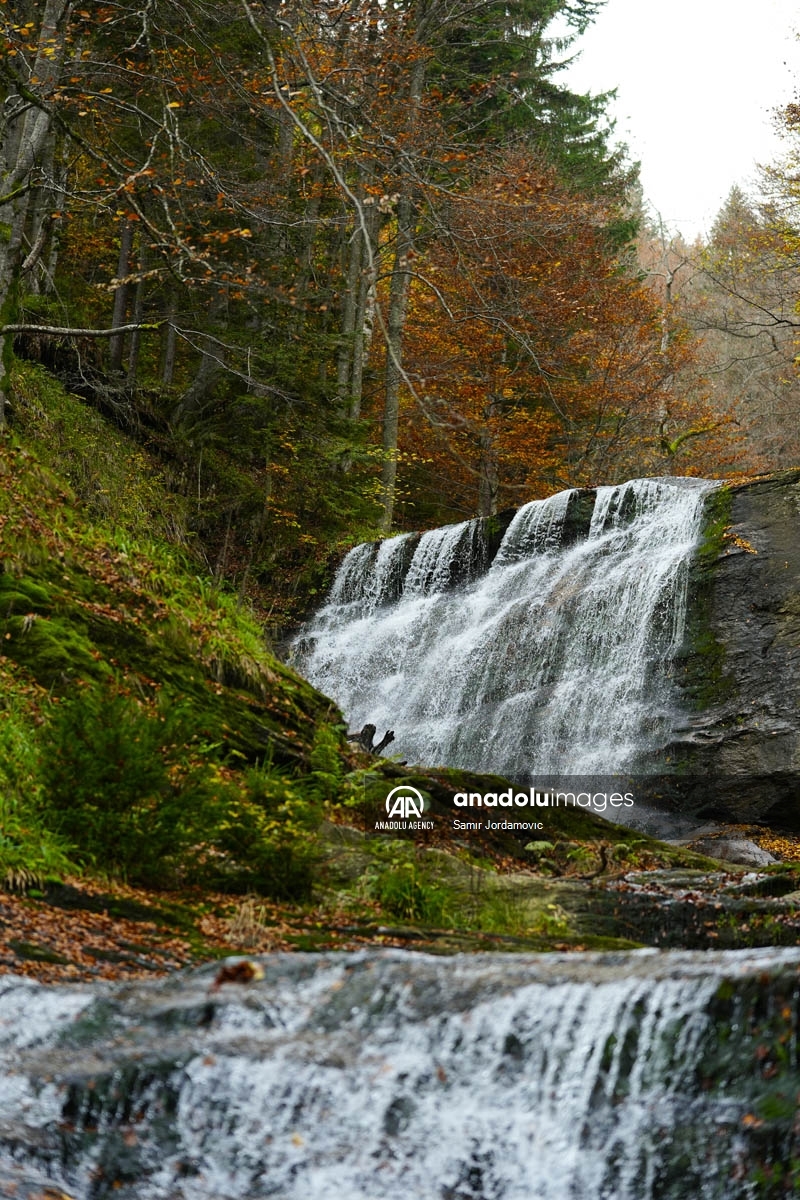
column 26, row 150
column 498, row 65
column 263, row 233
column 538, row 359
column 445, row 77
column 741, row 300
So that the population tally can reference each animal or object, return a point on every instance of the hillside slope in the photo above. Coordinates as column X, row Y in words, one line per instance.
column 142, row 715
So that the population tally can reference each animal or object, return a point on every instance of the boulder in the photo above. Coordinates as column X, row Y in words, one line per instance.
column 734, row 850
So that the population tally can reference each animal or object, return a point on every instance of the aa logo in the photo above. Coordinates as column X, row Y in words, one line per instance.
column 405, row 803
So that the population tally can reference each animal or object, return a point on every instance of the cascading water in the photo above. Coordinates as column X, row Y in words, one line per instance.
column 372, row 574
column 384, row 1076
column 554, row 661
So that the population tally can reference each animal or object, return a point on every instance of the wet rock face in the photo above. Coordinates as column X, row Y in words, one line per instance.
column 740, row 747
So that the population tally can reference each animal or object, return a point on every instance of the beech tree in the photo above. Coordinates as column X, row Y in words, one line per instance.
column 442, row 76
column 538, row 359
column 738, row 294
column 745, row 306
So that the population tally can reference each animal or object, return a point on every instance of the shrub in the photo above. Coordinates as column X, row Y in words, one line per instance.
column 405, row 889
column 136, row 793
column 112, row 782
column 29, row 853
column 271, row 830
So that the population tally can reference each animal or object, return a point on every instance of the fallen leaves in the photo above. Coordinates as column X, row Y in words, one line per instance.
column 54, row 944
column 244, row 971
column 83, row 930
column 785, row 846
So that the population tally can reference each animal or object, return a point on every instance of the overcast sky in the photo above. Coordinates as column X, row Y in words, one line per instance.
column 697, row 82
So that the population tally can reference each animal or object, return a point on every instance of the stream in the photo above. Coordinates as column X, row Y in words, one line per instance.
column 644, row 1075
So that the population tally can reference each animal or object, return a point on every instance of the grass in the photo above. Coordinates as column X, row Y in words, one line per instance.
column 248, row 928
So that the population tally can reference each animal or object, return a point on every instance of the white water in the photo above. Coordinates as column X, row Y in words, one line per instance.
column 384, row 1076
column 557, row 660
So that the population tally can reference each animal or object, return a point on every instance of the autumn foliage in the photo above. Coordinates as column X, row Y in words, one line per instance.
column 367, row 265
column 536, row 356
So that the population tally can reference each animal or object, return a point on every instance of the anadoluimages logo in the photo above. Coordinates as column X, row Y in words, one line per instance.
column 405, row 803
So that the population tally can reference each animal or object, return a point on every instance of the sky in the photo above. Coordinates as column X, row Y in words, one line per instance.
column 697, row 84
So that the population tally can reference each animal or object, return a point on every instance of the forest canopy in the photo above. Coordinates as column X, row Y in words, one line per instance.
column 350, row 267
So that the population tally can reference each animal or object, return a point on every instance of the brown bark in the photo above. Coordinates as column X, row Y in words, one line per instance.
column 25, row 130
column 117, row 343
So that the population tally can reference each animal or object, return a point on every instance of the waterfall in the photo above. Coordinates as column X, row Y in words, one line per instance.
column 381, row 1076
column 443, row 557
column 557, row 659
column 536, row 529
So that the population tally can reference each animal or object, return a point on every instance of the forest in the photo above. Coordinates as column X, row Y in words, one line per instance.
column 346, row 268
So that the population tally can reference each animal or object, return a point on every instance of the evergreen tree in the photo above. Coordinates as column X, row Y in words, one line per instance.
column 500, row 64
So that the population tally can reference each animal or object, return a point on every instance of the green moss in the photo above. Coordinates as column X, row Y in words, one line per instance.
column 85, row 605
column 704, row 679
column 23, row 596
column 81, row 601
column 34, row 953
column 717, row 518
column 110, row 473
column 55, row 651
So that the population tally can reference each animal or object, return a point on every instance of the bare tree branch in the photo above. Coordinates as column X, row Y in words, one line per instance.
column 71, row 331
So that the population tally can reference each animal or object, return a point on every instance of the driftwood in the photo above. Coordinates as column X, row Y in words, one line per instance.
column 366, row 739
column 601, row 870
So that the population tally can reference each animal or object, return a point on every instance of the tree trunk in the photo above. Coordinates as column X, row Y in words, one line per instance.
column 117, row 343
column 194, row 399
column 345, row 356
column 12, row 224
column 488, row 473
column 39, row 221
column 137, row 318
column 365, row 310
column 25, row 129
column 306, row 252
column 170, row 347
column 57, row 224
column 398, row 306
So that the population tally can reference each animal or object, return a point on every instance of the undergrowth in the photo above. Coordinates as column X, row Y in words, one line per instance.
column 30, row 852
column 430, row 888
column 108, row 784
